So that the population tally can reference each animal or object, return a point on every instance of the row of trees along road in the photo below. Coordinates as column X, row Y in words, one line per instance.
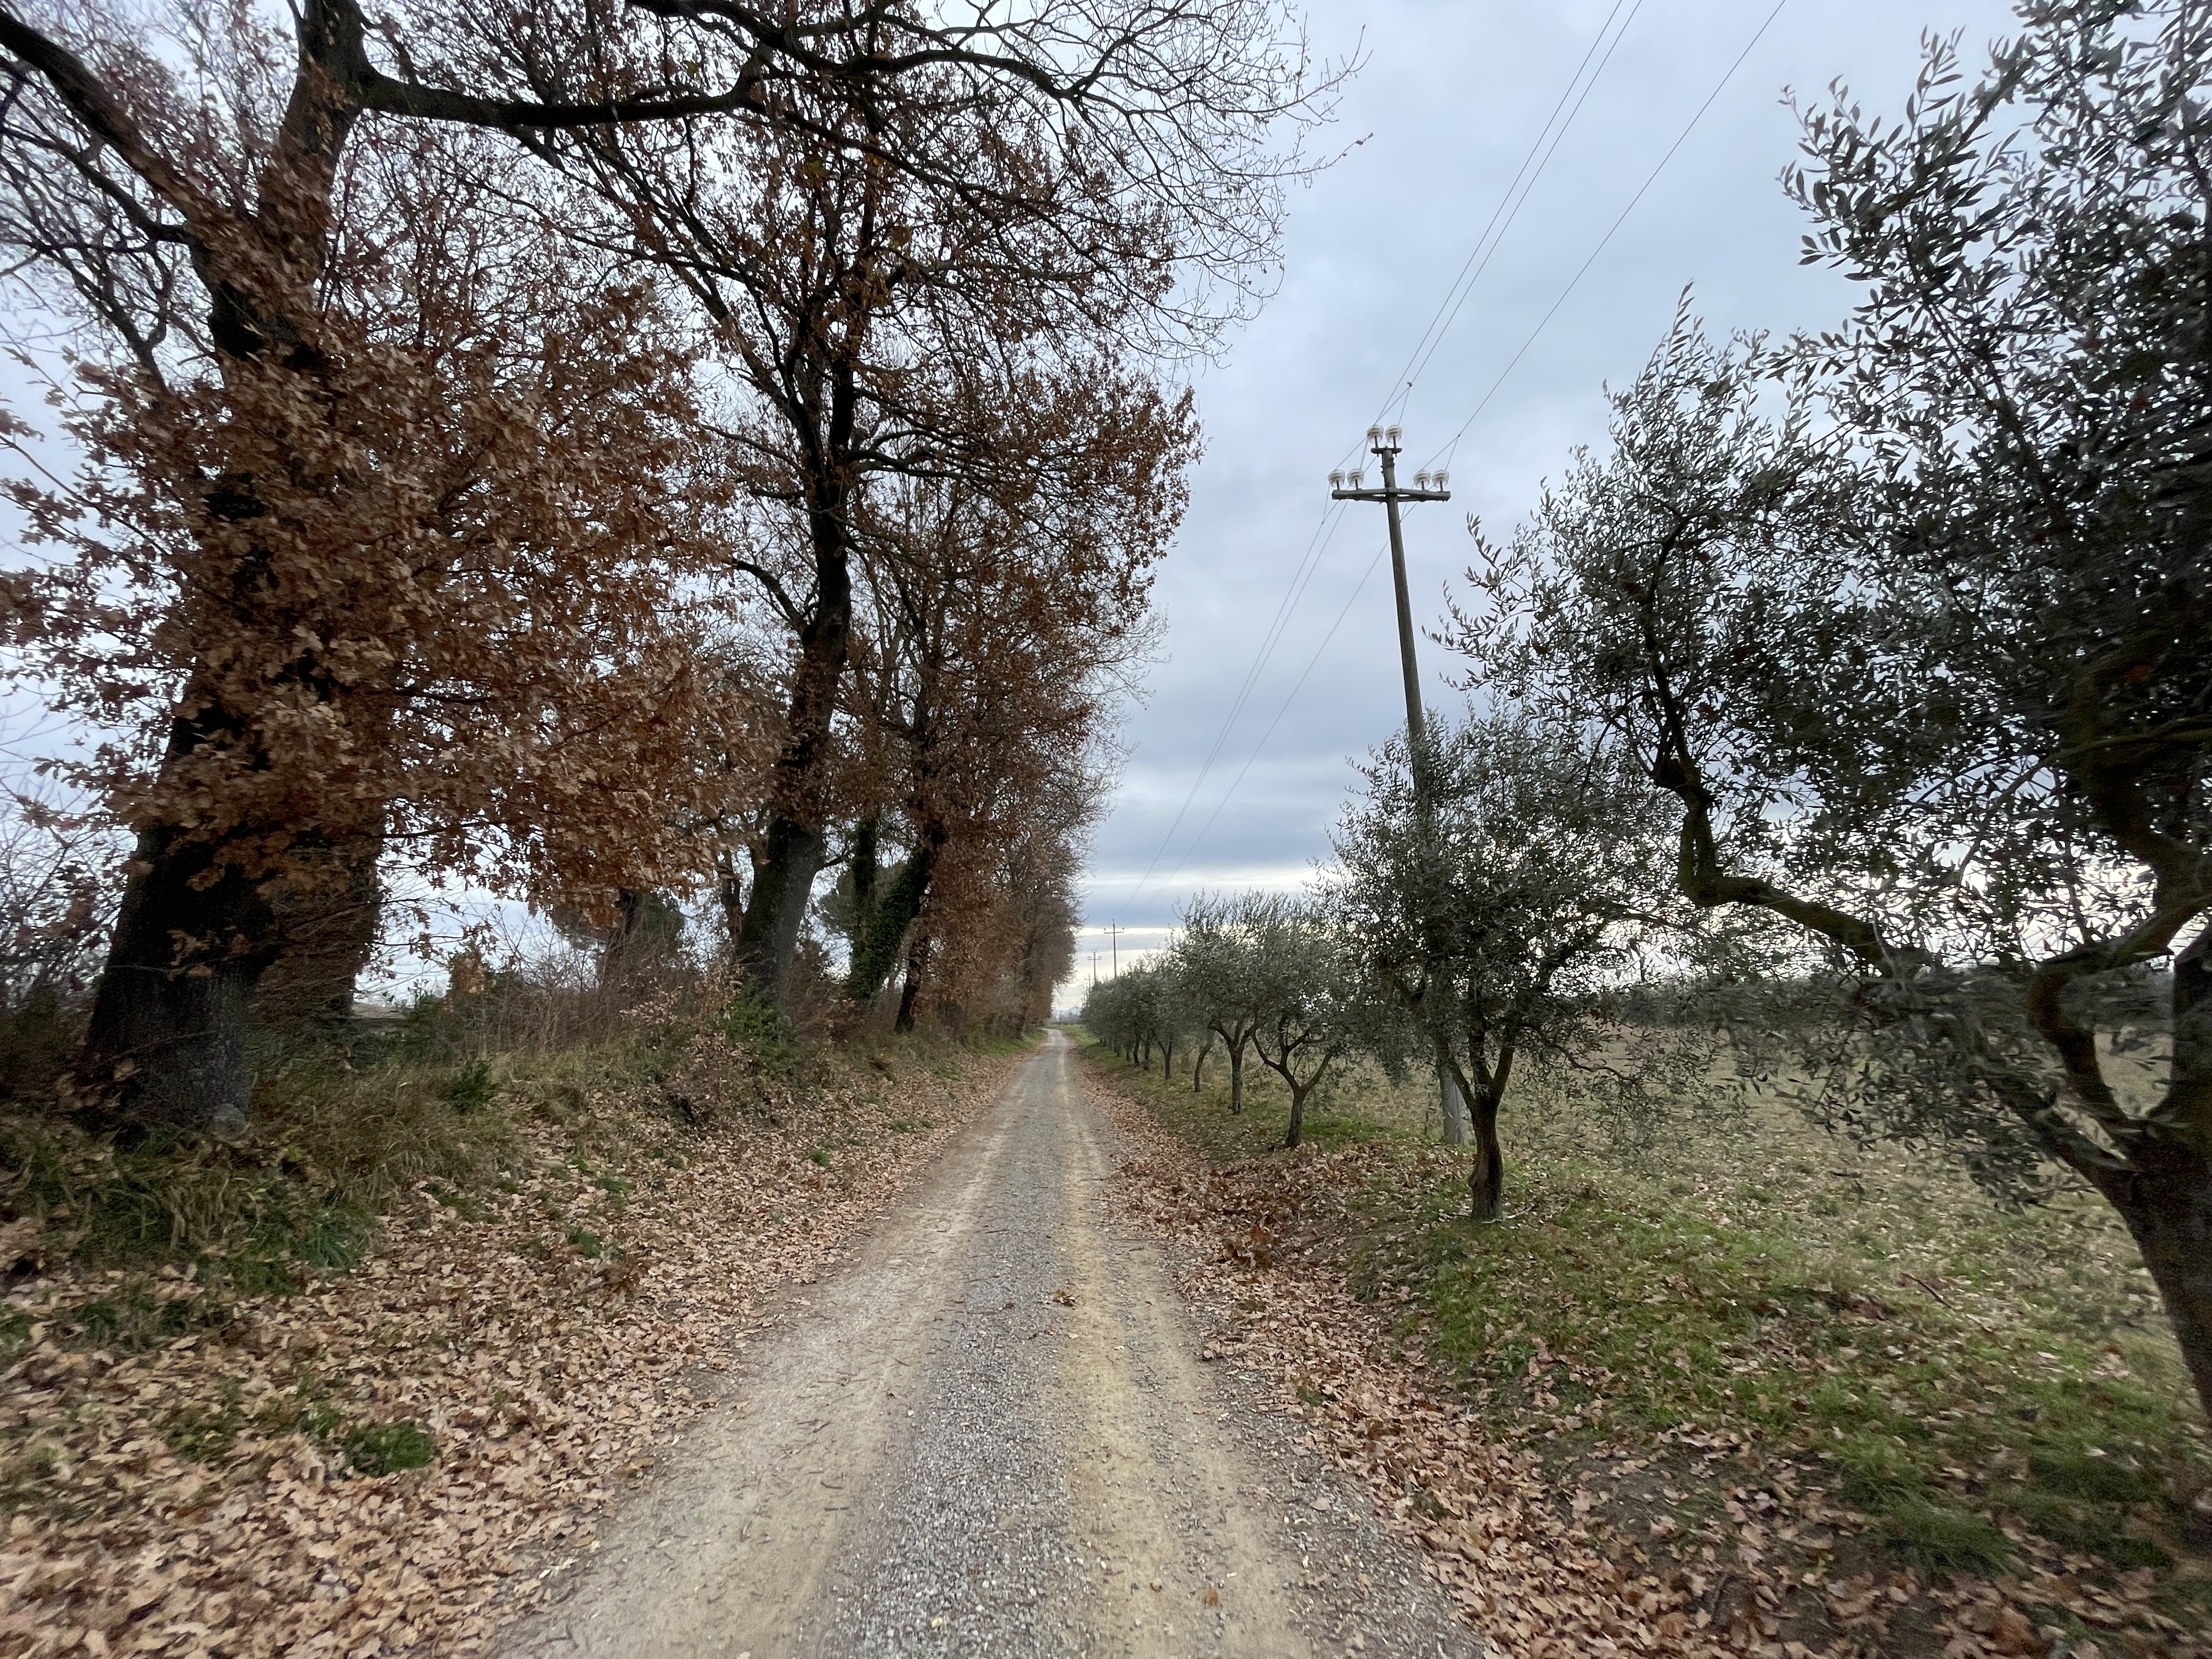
column 593, row 452
column 1854, row 701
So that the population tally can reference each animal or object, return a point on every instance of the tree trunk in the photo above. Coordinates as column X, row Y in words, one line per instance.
column 1167, row 1058
column 1235, row 1079
column 778, row 907
column 1453, row 1102
column 2168, row 1204
column 917, row 964
column 1485, row 1177
column 730, row 893
column 166, row 1049
column 1297, row 1129
column 2171, row 1218
column 796, row 844
column 327, row 922
column 1198, row 1068
column 885, row 919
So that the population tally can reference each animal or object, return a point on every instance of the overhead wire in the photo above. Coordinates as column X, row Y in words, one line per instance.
column 1440, row 321
column 1447, row 450
column 1309, row 563
column 1358, row 587
column 1458, row 296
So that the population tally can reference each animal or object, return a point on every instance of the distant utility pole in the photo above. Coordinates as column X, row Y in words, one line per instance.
column 1384, row 444
column 1114, row 931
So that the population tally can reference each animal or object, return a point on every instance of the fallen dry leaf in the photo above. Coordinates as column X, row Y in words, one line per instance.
column 548, row 1361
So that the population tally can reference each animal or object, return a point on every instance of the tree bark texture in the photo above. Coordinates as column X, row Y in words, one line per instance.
column 327, row 927
column 1486, row 1175
column 795, row 846
column 166, row 1049
column 2169, row 1214
column 1451, row 1102
column 917, row 968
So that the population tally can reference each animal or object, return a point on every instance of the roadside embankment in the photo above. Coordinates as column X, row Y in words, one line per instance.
column 235, row 1452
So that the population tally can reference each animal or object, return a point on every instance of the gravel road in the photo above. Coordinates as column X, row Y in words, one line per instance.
column 988, row 1432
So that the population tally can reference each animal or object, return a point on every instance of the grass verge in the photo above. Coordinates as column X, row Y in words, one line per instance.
column 1982, row 1396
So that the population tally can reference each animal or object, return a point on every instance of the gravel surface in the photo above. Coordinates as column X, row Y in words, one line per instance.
column 989, row 1433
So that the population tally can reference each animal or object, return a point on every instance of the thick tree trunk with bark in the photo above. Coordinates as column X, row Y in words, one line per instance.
column 795, row 845
column 1296, row 1131
column 2169, row 1213
column 1235, row 1079
column 917, row 967
column 166, row 1049
column 327, row 920
column 777, row 907
column 885, row 921
column 2168, row 1203
column 1486, row 1176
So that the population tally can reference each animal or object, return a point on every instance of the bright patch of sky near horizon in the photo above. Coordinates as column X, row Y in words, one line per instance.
column 1449, row 99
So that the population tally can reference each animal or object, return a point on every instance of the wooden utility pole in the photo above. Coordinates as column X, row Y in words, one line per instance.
column 1114, row 932
column 1384, row 442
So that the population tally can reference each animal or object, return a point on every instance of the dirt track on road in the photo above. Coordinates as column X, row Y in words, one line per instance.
column 988, row 1432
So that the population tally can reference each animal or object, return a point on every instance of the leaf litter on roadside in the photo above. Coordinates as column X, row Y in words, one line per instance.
column 1747, row 1556
column 401, row 1459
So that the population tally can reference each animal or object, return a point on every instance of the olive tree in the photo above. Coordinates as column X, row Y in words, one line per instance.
column 1913, row 623
column 1216, row 954
column 1311, row 1010
column 1135, row 1011
column 1504, row 900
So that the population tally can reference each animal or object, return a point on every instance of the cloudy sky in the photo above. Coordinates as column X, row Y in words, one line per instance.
column 1452, row 97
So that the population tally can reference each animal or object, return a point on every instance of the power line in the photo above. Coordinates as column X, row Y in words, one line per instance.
column 1447, row 450
column 1457, row 296
column 1285, row 709
column 1446, row 453
column 1431, row 336
column 1309, row 563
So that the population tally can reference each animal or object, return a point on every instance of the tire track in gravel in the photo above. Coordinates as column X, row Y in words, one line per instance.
column 988, row 1433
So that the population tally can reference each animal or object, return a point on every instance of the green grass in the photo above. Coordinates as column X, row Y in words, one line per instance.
column 1338, row 1115
column 1951, row 1368
column 377, row 1449
column 136, row 1318
column 1940, row 1543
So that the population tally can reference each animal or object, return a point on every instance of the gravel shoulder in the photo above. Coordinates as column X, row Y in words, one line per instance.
column 987, row 1430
